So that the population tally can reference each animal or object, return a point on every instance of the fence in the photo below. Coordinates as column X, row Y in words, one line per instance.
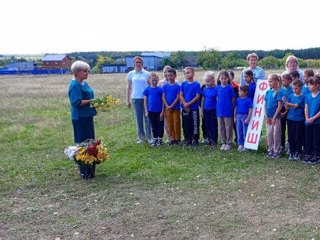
column 6, row 71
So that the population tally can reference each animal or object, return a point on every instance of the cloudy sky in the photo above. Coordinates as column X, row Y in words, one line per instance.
column 61, row 26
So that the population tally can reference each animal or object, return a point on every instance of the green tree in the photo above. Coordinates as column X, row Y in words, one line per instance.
column 102, row 60
column 178, row 59
column 270, row 62
column 210, row 59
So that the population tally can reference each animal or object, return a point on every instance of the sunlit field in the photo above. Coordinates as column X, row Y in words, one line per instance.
column 141, row 192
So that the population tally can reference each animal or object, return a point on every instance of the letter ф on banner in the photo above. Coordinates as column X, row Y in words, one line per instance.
column 257, row 117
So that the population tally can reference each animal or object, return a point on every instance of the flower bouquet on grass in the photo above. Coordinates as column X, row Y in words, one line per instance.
column 87, row 154
column 105, row 104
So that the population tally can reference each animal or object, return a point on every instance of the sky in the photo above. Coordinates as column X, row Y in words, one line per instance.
column 64, row 26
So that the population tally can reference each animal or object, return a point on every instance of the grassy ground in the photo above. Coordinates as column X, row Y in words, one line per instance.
column 142, row 192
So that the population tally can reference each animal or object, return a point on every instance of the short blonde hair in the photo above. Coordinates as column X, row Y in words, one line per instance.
column 78, row 66
column 209, row 74
column 153, row 75
column 291, row 57
column 252, row 55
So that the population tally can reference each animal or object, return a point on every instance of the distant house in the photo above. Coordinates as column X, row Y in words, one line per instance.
column 61, row 61
column 114, row 68
column 20, row 66
column 151, row 60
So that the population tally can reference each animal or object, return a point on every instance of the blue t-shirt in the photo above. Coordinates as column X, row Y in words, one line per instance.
column 78, row 92
column 190, row 91
column 272, row 100
column 225, row 96
column 285, row 92
column 154, row 95
column 243, row 105
column 210, row 100
column 313, row 106
column 296, row 114
column 170, row 92
column 305, row 90
column 251, row 90
column 258, row 74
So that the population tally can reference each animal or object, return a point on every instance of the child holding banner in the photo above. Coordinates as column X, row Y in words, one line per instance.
column 273, row 107
column 242, row 113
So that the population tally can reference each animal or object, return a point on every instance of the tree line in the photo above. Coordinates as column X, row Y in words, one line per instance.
column 207, row 59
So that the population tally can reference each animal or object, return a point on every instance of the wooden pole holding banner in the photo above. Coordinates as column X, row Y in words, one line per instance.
column 257, row 117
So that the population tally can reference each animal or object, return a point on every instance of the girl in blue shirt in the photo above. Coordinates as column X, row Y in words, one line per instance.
column 154, row 109
column 294, row 104
column 312, row 115
column 273, row 108
column 208, row 107
column 225, row 99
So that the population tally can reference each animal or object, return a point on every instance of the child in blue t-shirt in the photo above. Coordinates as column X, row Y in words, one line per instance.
column 171, row 101
column 208, row 108
column 225, row 100
column 307, row 74
column 248, row 77
column 190, row 98
column 154, row 108
column 312, row 115
column 273, row 118
column 243, row 111
column 285, row 91
column 294, row 104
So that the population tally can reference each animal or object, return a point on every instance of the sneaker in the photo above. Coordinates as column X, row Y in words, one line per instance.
column 140, row 141
column 227, row 147
column 276, row 156
column 307, row 158
column 222, row 147
column 195, row 143
column 312, row 160
column 155, row 143
column 297, row 156
column 291, row 156
column 240, row 148
column 150, row 141
column 269, row 154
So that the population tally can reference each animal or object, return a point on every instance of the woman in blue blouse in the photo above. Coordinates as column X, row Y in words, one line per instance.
column 80, row 96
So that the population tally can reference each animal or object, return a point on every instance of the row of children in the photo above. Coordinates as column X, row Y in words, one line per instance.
column 296, row 105
column 219, row 103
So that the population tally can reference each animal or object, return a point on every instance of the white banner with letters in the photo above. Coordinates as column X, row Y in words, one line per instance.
column 257, row 117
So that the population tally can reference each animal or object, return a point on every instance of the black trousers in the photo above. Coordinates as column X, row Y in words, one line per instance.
column 211, row 122
column 295, row 133
column 283, row 128
column 157, row 125
column 190, row 125
column 312, row 140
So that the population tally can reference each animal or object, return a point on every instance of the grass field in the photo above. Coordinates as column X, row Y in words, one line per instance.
column 141, row 192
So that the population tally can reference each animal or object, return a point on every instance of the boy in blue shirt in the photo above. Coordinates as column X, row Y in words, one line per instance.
column 294, row 104
column 312, row 115
column 190, row 98
column 171, row 101
column 208, row 107
column 243, row 111
column 154, row 108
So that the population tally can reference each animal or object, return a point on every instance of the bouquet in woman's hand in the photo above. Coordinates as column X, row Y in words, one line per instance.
column 88, row 152
column 105, row 104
